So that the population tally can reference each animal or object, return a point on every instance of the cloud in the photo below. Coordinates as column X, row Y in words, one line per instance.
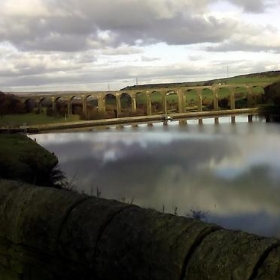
column 92, row 38
column 255, row 6
column 80, row 25
column 28, row 8
column 149, row 59
column 121, row 50
column 250, row 40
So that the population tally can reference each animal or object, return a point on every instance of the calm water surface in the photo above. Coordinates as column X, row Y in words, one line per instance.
column 232, row 172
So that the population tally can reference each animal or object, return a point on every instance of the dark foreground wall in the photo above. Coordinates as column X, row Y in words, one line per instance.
column 54, row 234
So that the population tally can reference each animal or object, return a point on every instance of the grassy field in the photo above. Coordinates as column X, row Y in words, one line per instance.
column 251, row 80
column 263, row 77
column 33, row 119
column 14, row 146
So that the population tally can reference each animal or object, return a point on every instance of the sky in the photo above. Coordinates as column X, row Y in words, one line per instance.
column 101, row 45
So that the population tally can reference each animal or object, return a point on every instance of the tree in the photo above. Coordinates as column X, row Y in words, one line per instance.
column 9, row 104
column 40, row 173
column 271, row 107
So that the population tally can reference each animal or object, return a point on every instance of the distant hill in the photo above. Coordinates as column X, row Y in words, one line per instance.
column 270, row 76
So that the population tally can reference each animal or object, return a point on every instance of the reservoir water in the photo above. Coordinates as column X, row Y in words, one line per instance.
column 229, row 172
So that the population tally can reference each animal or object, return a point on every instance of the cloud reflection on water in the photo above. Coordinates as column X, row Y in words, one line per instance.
column 232, row 171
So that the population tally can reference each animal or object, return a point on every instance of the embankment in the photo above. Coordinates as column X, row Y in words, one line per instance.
column 125, row 120
column 21, row 158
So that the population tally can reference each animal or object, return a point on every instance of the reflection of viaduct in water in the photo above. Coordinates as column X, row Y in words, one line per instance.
column 163, row 96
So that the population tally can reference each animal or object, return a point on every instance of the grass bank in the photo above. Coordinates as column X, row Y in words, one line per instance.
column 33, row 119
column 22, row 159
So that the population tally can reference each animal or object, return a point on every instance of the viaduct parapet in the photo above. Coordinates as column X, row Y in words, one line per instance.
column 53, row 234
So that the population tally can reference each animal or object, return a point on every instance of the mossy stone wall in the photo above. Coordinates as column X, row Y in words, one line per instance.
column 48, row 234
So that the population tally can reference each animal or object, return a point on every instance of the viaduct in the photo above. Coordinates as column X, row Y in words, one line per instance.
column 181, row 95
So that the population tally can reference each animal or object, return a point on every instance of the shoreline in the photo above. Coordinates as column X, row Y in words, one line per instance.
column 91, row 124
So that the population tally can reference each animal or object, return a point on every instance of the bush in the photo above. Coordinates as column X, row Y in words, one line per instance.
column 50, row 112
column 41, row 174
column 224, row 103
column 197, row 215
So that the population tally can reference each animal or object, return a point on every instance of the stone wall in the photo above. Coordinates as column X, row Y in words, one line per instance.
column 52, row 234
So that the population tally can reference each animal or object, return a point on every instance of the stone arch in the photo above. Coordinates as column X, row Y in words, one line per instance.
column 60, row 106
column 141, row 103
column 190, row 97
column 126, row 103
column 75, row 105
column 45, row 104
column 241, row 96
column 91, row 106
column 126, row 98
column 30, row 104
column 208, row 98
column 92, row 100
column 156, row 102
column 255, row 95
column 111, row 105
column 172, row 101
column 224, row 95
column 45, row 101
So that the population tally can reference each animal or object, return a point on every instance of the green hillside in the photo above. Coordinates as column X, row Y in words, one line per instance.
column 263, row 77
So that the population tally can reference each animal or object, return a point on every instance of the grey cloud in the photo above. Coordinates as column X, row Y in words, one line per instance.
column 80, row 38
column 244, row 46
column 195, row 30
column 121, row 50
column 28, row 63
column 60, row 34
column 118, row 74
column 56, row 42
column 255, row 6
column 58, row 76
column 127, row 22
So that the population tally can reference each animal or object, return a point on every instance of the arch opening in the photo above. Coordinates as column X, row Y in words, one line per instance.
column 126, row 105
column 111, row 106
column 207, row 96
column 156, row 102
column 141, row 104
column 190, row 96
column 172, row 101
column 224, row 98
column 241, row 97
